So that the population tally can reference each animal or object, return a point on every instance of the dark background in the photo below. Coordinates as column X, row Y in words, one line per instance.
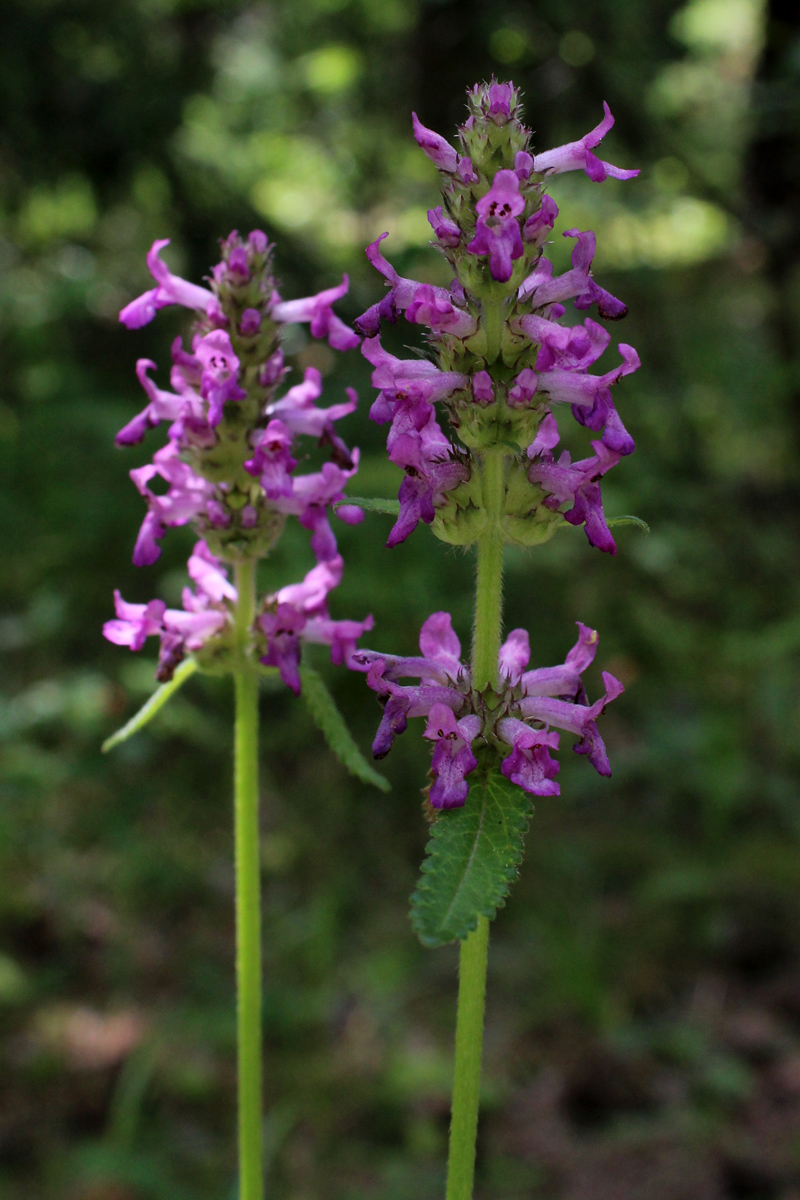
column 643, row 1024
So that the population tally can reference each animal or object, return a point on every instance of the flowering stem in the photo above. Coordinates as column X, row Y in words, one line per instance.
column 467, row 1073
column 248, row 894
column 475, row 949
column 493, row 322
column 489, row 589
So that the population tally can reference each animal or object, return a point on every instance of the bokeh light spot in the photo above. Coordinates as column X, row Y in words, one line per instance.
column 576, row 49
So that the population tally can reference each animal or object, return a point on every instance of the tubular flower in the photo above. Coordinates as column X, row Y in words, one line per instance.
column 577, row 156
column 514, row 726
column 498, row 233
column 299, row 614
column 500, row 356
column 205, row 614
column 230, row 461
column 169, row 289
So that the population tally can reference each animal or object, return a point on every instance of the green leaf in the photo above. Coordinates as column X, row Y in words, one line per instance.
column 149, row 709
column 628, row 520
column 330, row 721
column 372, row 504
column 472, row 858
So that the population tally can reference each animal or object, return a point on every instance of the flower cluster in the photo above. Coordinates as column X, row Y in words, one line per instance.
column 228, row 466
column 501, row 358
column 298, row 613
column 515, row 724
column 203, row 618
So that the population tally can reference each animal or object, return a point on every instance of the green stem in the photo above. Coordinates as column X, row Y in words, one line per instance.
column 489, row 588
column 467, row 1073
column 248, row 894
column 474, row 950
column 493, row 321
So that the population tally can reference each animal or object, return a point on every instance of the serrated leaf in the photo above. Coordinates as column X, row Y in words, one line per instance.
column 472, row 859
column 331, row 724
column 149, row 709
column 373, row 504
column 628, row 520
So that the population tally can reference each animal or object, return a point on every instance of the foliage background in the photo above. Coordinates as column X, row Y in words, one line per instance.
column 643, row 1034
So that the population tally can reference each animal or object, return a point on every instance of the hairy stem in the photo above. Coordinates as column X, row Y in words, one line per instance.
column 467, row 1072
column 489, row 588
column 474, row 950
column 248, row 894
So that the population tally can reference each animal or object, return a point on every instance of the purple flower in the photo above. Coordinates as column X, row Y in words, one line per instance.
column 541, row 222
column 311, row 496
column 543, row 288
column 523, row 165
column 529, row 765
column 282, row 629
column 415, row 441
column 580, row 719
column 203, row 616
column 446, row 230
column 297, row 410
column 134, row 622
column 220, row 369
column 523, row 388
column 433, row 307
column 440, row 152
column 577, row 156
column 440, row 661
column 211, row 578
column 272, row 462
column 566, row 348
column 519, row 716
column 578, row 484
column 500, row 97
column 431, row 471
column 423, row 304
column 581, row 390
column 163, row 406
column 439, row 669
column 547, row 435
column 318, row 311
column 498, row 233
column 250, row 322
column 466, row 171
column 407, row 383
column 603, row 415
column 186, row 498
column 170, row 289
column 452, row 756
column 514, row 656
column 202, row 464
column 298, row 614
column 482, row 387
column 565, row 679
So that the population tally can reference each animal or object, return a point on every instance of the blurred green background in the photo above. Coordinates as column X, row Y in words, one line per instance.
column 643, row 1025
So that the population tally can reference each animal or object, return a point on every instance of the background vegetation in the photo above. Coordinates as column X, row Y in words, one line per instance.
column 644, row 1015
